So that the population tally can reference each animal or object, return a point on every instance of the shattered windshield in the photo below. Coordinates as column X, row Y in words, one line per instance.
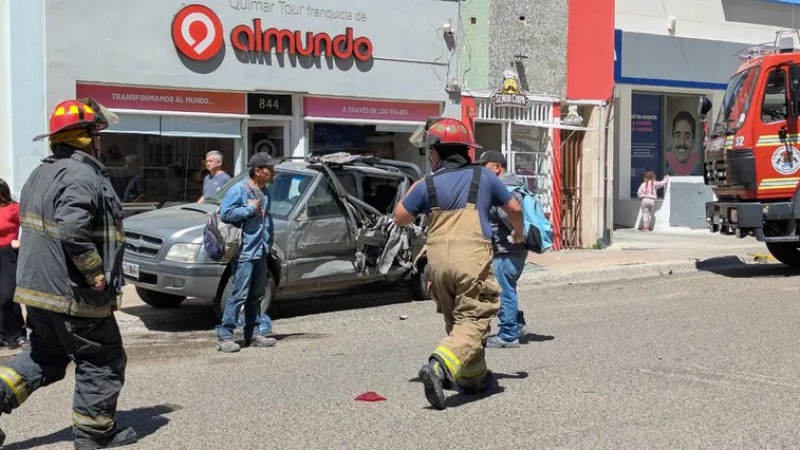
column 285, row 191
column 737, row 99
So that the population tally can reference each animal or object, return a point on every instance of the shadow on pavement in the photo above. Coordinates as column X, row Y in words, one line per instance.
column 198, row 314
column 460, row 399
column 193, row 315
column 532, row 337
column 365, row 297
column 145, row 421
column 733, row 267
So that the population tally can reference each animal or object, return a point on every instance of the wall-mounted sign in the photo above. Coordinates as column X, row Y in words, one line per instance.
column 350, row 108
column 510, row 94
column 197, row 33
column 144, row 98
column 270, row 104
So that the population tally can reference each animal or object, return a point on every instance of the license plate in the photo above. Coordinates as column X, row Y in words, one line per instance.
column 131, row 270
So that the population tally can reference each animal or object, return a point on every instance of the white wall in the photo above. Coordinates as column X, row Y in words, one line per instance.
column 753, row 21
column 22, row 99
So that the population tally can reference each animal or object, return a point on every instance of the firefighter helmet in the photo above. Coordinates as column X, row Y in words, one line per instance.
column 78, row 114
column 444, row 132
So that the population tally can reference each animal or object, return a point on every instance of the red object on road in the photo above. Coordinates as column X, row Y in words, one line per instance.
column 369, row 396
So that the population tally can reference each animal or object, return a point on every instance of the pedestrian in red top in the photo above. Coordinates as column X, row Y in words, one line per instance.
column 12, row 325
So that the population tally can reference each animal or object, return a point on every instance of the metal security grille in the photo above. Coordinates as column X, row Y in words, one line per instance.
column 571, row 183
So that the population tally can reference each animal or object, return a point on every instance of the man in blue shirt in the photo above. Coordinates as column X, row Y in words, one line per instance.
column 457, row 199
column 216, row 177
column 246, row 205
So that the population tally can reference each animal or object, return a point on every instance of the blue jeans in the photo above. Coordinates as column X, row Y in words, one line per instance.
column 507, row 269
column 249, row 287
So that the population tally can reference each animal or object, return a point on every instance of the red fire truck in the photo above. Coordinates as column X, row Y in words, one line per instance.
column 752, row 152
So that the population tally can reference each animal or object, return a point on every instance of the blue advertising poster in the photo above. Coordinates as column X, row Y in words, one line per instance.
column 645, row 138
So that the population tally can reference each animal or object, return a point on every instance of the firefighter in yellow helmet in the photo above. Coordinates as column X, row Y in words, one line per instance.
column 69, row 276
column 457, row 199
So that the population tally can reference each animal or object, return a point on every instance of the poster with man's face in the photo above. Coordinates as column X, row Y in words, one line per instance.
column 682, row 136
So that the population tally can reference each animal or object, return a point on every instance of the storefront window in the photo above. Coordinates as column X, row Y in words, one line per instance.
column 160, row 170
column 384, row 141
column 666, row 137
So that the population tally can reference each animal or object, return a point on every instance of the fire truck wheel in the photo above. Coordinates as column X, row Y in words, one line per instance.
column 785, row 252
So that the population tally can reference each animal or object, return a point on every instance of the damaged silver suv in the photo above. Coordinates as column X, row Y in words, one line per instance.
column 333, row 231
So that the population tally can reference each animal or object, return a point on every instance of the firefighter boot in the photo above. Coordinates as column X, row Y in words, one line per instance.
column 435, row 379
column 482, row 385
column 120, row 438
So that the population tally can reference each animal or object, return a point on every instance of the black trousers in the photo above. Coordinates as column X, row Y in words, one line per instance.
column 95, row 345
column 12, row 325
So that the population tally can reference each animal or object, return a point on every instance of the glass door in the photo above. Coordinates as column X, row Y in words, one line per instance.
column 272, row 138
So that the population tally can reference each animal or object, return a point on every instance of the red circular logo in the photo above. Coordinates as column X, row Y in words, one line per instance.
column 197, row 32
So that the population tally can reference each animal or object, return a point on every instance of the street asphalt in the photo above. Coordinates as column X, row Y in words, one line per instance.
column 700, row 360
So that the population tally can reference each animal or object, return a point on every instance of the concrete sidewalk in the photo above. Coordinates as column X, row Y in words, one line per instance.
column 637, row 254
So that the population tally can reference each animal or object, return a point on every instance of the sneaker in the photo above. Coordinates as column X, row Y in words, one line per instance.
column 261, row 341
column 21, row 344
column 119, row 439
column 228, row 346
column 496, row 342
column 433, row 378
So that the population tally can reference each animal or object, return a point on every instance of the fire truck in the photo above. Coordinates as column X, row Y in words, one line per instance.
column 752, row 151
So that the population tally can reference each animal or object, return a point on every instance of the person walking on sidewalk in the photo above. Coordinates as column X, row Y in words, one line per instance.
column 509, row 258
column 648, row 195
column 12, row 325
column 457, row 198
column 69, row 275
column 246, row 205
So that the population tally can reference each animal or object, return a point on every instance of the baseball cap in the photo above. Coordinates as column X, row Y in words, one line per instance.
column 261, row 159
column 491, row 156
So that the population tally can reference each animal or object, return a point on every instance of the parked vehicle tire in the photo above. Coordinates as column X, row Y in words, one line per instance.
column 159, row 299
column 419, row 282
column 785, row 252
column 226, row 288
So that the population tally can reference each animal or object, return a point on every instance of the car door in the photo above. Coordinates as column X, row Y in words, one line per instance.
column 320, row 239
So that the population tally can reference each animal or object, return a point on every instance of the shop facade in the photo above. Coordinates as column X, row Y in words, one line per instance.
column 664, row 61
column 238, row 76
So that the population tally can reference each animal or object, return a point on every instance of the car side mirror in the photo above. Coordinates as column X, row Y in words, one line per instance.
column 704, row 105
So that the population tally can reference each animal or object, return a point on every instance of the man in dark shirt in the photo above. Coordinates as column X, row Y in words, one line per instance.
column 509, row 258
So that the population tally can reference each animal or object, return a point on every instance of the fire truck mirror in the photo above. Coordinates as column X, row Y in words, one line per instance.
column 704, row 105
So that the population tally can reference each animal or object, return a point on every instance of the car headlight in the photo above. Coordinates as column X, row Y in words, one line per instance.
column 185, row 253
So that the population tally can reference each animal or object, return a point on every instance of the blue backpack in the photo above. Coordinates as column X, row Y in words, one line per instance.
column 538, row 230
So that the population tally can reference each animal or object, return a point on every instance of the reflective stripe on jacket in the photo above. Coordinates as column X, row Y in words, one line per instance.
column 72, row 236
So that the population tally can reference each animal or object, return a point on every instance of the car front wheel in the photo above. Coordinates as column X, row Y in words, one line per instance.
column 159, row 299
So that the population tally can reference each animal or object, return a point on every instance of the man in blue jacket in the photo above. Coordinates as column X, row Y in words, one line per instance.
column 247, row 205
column 509, row 257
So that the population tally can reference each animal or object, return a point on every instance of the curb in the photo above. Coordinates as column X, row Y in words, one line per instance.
column 626, row 272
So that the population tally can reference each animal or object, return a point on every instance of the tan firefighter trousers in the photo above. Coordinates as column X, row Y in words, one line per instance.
column 464, row 288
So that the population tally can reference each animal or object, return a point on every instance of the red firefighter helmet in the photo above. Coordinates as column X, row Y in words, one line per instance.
column 75, row 114
column 445, row 132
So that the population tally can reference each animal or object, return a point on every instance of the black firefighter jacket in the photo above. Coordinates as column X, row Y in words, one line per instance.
column 71, row 235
